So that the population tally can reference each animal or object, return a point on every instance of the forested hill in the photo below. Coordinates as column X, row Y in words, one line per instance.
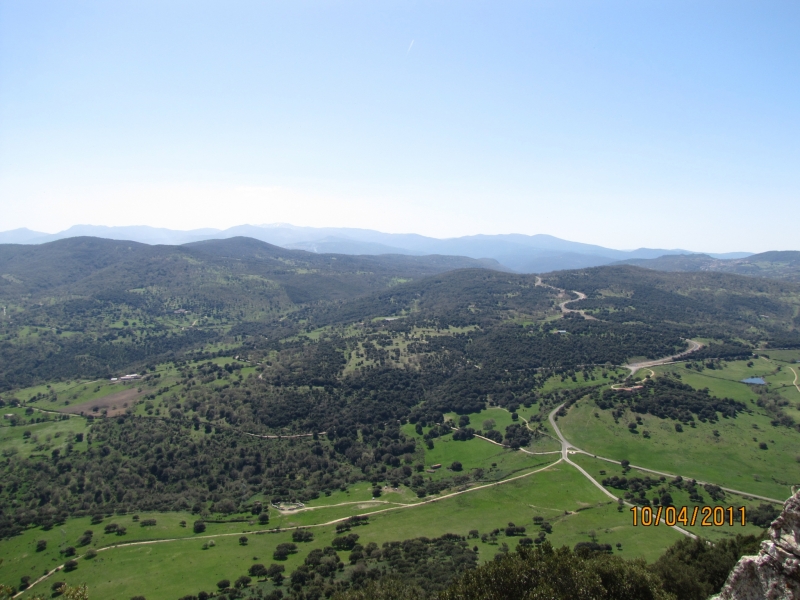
column 716, row 305
column 776, row 264
column 86, row 265
column 90, row 307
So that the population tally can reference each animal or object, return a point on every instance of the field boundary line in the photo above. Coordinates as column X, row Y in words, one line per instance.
column 565, row 446
column 665, row 474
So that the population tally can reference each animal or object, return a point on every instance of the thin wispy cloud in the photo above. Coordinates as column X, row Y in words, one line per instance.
column 409, row 47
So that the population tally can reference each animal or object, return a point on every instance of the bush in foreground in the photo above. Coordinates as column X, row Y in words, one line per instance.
column 535, row 573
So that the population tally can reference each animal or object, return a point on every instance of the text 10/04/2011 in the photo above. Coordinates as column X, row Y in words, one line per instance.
column 716, row 516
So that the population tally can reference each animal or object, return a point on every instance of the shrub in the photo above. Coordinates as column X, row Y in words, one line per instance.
column 302, row 535
column 494, row 435
column 282, row 551
column 463, row 435
column 41, row 545
column 544, row 572
column 224, row 584
column 586, row 549
column 199, row 527
column 225, row 506
column 70, row 565
column 526, row 541
column 346, row 542
column 275, row 572
column 86, row 538
column 257, row 570
column 694, row 569
column 764, row 515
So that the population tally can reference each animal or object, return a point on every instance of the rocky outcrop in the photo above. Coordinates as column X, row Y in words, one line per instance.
column 773, row 574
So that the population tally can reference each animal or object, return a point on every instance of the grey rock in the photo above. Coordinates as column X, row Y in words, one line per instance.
column 774, row 573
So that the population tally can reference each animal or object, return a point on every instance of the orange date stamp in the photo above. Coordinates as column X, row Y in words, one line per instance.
column 705, row 516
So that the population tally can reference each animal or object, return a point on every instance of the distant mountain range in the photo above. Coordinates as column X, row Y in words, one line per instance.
column 776, row 265
column 521, row 253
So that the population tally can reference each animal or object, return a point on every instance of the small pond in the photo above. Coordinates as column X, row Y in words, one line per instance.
column 755, row 381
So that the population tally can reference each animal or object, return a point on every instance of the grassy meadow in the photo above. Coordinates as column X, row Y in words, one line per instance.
column 159, row 571
column 731, row 457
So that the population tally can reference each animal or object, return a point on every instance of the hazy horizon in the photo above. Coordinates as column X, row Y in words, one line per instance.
column 404, row 233
column 620, row 124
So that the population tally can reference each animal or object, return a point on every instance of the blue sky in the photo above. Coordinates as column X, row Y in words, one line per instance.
column 627, row 124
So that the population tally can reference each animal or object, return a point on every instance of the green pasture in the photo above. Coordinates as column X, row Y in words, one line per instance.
column 725, row 382
column 787, row 356
column 600, row 469
column 559, row 382
column 170, row 569
column 359, row 493
column 717, row 383
column 45, row 437
column 502, row 419
column 76, row 394
column 545, row 443
column 496, row 461
column 500, row 416
column 732, row 459
column 58, row 387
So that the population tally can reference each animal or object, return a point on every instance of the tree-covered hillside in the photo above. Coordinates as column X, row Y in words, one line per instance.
column 715, row 305
column 89, row 307
column 774, row 265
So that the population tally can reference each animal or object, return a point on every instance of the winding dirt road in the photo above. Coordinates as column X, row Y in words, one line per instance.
column 693, row 347
column 795, row 379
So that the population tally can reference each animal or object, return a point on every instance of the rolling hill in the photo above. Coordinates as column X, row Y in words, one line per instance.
column 774, row 264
